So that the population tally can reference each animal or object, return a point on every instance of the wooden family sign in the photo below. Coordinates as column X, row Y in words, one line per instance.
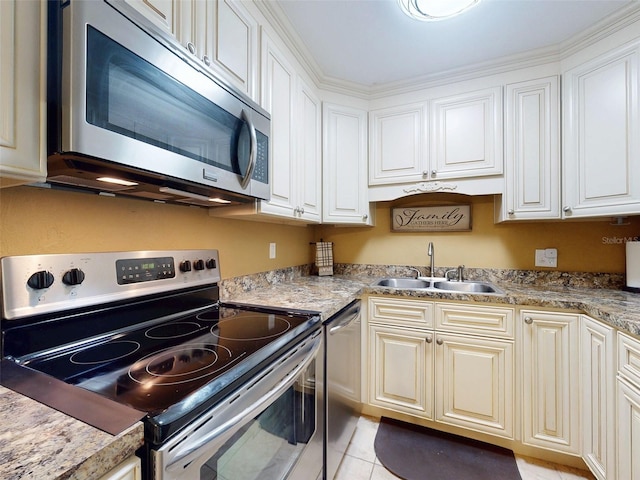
column 441, row 218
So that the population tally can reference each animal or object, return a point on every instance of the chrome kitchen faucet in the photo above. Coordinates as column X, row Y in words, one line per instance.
column 431, row 254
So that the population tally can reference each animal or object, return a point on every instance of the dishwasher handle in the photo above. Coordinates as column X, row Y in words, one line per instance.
column 344, row 319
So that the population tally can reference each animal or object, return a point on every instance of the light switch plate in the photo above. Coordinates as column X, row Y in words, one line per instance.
column 272, row 250
column 547, row 257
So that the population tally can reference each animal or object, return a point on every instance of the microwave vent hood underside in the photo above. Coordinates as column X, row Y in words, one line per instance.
column 80, row 172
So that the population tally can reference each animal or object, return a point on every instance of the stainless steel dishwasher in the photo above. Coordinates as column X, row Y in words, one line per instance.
column 342, row 384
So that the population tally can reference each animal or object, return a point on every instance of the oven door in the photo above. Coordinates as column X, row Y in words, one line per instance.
column 260, row 431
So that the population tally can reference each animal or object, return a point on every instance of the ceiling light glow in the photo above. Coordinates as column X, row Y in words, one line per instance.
column 431, row 10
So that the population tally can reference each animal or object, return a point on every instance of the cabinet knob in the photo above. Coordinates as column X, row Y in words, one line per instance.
column 425, row 173
column 301, row 210
column 429, row 339
column 566, row 209
column 528, row 320
column 364, row 217
column 439, row 341
column 511, row 212
column 191, row 47
column 206, row 60
column 434, row 173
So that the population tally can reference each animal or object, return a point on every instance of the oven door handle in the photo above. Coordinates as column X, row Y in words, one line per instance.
column 300, row 360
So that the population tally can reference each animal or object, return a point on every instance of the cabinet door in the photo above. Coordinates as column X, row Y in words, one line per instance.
column 309, row 158
column 344, row 162
column 532, row 155
column 160, row 12
column 466, row 138
column 598, row 397
column 550, row 396
column 235, row 45
column 278, row 99
column 128, row 470
column 401, row 370
column 474, row 380
column 601, row 127
column 398, row 146
column 628, row 431
column 22, row 92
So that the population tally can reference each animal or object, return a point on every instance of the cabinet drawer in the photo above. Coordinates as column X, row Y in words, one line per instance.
column 629, row 358
column 401, row 311
column 476, row 320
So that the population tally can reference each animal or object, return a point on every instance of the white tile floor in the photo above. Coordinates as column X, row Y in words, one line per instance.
column 360, row 462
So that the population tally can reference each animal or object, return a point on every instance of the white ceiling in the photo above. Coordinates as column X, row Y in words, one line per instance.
column 372, row 43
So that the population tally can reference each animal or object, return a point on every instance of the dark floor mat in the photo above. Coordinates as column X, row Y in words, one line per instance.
column 412, row 452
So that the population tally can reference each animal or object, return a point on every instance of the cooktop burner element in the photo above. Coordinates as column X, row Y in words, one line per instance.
column 105, row 353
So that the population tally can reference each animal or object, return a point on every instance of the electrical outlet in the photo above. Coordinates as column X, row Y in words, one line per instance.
column 547, row 257
column 272, row 250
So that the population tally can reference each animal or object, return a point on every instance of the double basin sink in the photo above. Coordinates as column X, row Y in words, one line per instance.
column 440, row 284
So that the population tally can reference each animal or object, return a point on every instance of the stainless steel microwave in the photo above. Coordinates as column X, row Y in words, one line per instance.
column 131, row 112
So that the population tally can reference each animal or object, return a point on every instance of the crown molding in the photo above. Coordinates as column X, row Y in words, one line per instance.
column 613, row 23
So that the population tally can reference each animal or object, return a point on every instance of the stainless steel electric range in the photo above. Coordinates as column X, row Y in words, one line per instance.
column 225, row 391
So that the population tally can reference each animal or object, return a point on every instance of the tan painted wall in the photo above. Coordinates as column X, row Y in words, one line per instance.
column 580, row 244
column 38, row 221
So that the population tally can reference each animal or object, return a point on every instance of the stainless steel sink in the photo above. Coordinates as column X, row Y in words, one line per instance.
column 467, row 287
column 404, row 283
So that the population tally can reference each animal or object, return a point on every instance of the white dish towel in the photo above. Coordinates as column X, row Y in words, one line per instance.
column 324, row 258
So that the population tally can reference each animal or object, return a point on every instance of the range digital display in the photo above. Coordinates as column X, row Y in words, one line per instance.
column 136, row 270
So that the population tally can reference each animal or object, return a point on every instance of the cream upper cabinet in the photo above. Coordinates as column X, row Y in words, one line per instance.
column 295, row 143
column 344, row 165
column 466, row 135
column 398, row 144
column 532, row 151
column 598, row 366
column 601, row 135
column 628, row 408
column 234, row 48
column 161, row 12
column 550, row 380
column 22, row 92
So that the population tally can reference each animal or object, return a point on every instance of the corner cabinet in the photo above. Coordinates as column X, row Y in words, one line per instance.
column 598, row 366
column 344, row 166
column 22, row 92
column 601, row 126
column 628, row 416
column 532, row 151
column 550, row 380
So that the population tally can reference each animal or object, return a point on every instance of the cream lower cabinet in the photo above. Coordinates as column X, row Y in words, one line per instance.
column 474, row 382
column 402, row 369
column 128, row 470
column 628, row 409
column 450, row 377
column 597, row 365
column 550, row 380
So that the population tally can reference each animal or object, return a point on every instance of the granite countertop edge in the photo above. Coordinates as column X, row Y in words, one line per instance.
column 327, row 295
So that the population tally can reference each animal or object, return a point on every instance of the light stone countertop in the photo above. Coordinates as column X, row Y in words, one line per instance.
column 37, row 442
column 327, row 295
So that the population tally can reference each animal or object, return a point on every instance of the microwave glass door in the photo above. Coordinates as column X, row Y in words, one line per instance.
column 130, row 96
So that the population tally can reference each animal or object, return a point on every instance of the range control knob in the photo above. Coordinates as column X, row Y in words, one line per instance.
column 40, row 280
column 211, row 263
column 198, row 264
column 185, row 266
column 75, row 276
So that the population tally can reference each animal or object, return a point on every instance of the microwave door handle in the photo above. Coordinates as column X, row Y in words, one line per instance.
column 253, row 149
